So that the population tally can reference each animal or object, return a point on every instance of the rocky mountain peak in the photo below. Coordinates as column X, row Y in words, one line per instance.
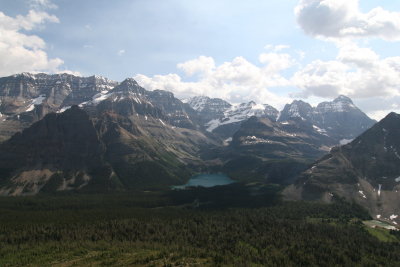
column 207, row 104
column 297, row 109
column 391, row 118
column 339, row 104
column 129, row 85
column 343, row 98
column 198, row 103
column 339, row 119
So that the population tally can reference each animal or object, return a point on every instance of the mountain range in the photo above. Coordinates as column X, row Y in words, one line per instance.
column 63, row 132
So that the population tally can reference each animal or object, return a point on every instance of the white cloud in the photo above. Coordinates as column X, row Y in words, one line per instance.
column 121, row 52
column 356, row 72
column 21, row 52
column 202, row 65
column 276, row 62
column 236, row 81
column 33, row 20
column 343, row 18
column 42, row 4
column 378, row 107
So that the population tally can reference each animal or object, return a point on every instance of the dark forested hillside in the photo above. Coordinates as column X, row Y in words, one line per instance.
column 122, row 230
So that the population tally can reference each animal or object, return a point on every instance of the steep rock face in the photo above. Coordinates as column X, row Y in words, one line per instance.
column 58, row 90
column 179, row 114
column 367, row 171
column 26, row 98
column 209, row 108
column 339, row 119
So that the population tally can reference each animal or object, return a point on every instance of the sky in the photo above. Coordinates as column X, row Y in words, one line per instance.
column 271, row 52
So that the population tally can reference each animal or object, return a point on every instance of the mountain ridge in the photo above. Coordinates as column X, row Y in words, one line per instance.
column 365, row 171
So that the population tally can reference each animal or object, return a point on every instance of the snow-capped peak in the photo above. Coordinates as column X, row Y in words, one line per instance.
column 340, row 104
column 241, row 112
column 198, row 102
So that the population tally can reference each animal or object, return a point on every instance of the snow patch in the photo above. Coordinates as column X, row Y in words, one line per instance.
column 362, row 194
column 35, row 102
column 198, row 103
column 393, row 216
column 378, row 216
column 212, row 125
column 397, row 179
column 99, row 97
column 258, row 106
column 321, row 131
column 228, row 140
column 64, row 109
column 241, row 112
column 345, row 141
column 379, row 190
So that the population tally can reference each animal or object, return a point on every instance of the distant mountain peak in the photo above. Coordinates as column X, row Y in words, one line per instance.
column 343, row 98
column 339, row 118
column 299, row 102
column 129, row 85
column 205, row 103
column 297, row 109
column 340, row 104
column 129, row 82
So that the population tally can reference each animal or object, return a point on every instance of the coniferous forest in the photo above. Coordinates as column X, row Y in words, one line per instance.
column 220, row 226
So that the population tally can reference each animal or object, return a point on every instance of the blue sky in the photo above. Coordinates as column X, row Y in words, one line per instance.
column 268, row 51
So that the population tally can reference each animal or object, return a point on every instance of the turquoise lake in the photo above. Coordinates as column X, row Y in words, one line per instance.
column 206, row 180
